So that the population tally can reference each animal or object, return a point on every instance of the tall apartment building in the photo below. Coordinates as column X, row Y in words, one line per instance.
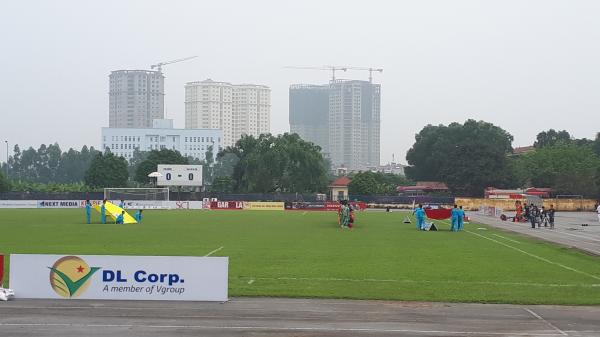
column 243, row 109
column 309, row 113
column 136, row 98
column 353, row 120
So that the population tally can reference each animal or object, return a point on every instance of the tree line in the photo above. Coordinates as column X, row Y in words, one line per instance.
column 474, row 155
column 283, row 163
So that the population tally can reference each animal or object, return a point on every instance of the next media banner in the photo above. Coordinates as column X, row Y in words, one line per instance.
column 110, row 277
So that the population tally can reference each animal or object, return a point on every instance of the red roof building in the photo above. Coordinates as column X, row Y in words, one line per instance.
column 423, row 187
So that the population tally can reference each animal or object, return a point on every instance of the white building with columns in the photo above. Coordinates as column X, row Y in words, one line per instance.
column 189, row 142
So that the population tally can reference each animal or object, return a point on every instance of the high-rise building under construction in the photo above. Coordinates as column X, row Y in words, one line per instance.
column 343, row 118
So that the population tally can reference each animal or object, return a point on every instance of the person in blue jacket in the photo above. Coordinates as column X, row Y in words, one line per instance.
column 138, row 216
column 120, row 218
column 88, row 211
column 455, row 212
column 461, row 219
column 103, row 211
column 420, row 214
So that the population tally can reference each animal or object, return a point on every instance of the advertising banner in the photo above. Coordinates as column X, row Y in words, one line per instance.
column 18, row 204
column 59, row 203
column 144, row 204
column 239, row 205
column 110, row 277
column 264, row 206
column 185, row 204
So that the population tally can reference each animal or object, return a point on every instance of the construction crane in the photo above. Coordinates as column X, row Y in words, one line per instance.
column 159, row 65
column 371, row 70
column 333, row 69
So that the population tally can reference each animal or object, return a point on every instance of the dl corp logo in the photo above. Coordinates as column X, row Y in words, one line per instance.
column 70, row 276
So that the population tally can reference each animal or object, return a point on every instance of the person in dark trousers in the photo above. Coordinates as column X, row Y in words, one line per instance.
column 551, row 212
column 532, row 217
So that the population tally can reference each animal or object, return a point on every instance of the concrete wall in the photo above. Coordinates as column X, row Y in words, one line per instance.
column 473, row 204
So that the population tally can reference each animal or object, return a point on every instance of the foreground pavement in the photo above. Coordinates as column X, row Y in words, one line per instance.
column 568, row 229
column 291, row 317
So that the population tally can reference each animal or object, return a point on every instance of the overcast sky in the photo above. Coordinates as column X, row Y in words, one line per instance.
column 525, row 66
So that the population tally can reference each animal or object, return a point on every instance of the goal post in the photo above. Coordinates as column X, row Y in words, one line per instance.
column 140, row 198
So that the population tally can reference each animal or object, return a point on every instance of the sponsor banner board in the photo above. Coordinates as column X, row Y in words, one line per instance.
column 111, row 277
column 227, row 205
column 264, row 206
column 18, row 204
column 144, row 204
column 59, row 203
column 185, row 204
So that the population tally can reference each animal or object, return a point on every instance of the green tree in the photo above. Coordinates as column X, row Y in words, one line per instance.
column 155, row 157
column 467, row 157
column 566, row 168
column 107, row 170
column 284, row 163
column 364, row 183
column 4, row 183
column 551, row 137
column 367, row 183
column 222, row 184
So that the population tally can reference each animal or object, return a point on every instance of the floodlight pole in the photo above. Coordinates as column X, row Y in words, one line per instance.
column 6, row 141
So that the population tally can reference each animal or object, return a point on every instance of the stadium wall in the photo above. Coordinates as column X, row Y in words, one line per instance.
column 565, row 205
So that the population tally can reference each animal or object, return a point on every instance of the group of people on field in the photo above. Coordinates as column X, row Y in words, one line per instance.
column 457, row 217
column 538, row 215
column 120, row 219
column 345, row 215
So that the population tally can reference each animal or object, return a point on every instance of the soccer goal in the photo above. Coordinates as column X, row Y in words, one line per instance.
column 140, row 198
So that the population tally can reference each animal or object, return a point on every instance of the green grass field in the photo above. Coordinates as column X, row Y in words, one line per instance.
column 305, row 254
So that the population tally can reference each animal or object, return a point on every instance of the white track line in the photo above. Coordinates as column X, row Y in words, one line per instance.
column 272, row 328
column 505, row 238
column 536, row 257
column 332, row 279
column 545, row 321
column 214, row 251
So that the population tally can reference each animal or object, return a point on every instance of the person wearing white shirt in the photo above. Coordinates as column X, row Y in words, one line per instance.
column 598, row 211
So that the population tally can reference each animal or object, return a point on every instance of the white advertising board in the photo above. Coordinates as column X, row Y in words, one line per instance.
column 185, row 204
column 18, row 204
column 111, row 277
column 179, row 175
column 59, row 203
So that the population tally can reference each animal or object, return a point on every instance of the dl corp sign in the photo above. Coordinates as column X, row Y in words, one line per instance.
column 120, row 277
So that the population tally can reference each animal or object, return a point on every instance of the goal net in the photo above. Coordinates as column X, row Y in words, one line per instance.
column 140, row 198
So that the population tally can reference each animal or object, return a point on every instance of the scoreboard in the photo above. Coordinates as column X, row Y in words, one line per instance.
column 179, row 175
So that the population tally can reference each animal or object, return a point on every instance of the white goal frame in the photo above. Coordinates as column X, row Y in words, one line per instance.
column 140, row 198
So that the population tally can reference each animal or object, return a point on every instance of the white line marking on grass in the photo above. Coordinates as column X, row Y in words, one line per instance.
column 333, row 279
column 537, row 257
column 545, row 321
column 274, row 328
column 505, row 238
column 214, row 251
column 251, row 281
